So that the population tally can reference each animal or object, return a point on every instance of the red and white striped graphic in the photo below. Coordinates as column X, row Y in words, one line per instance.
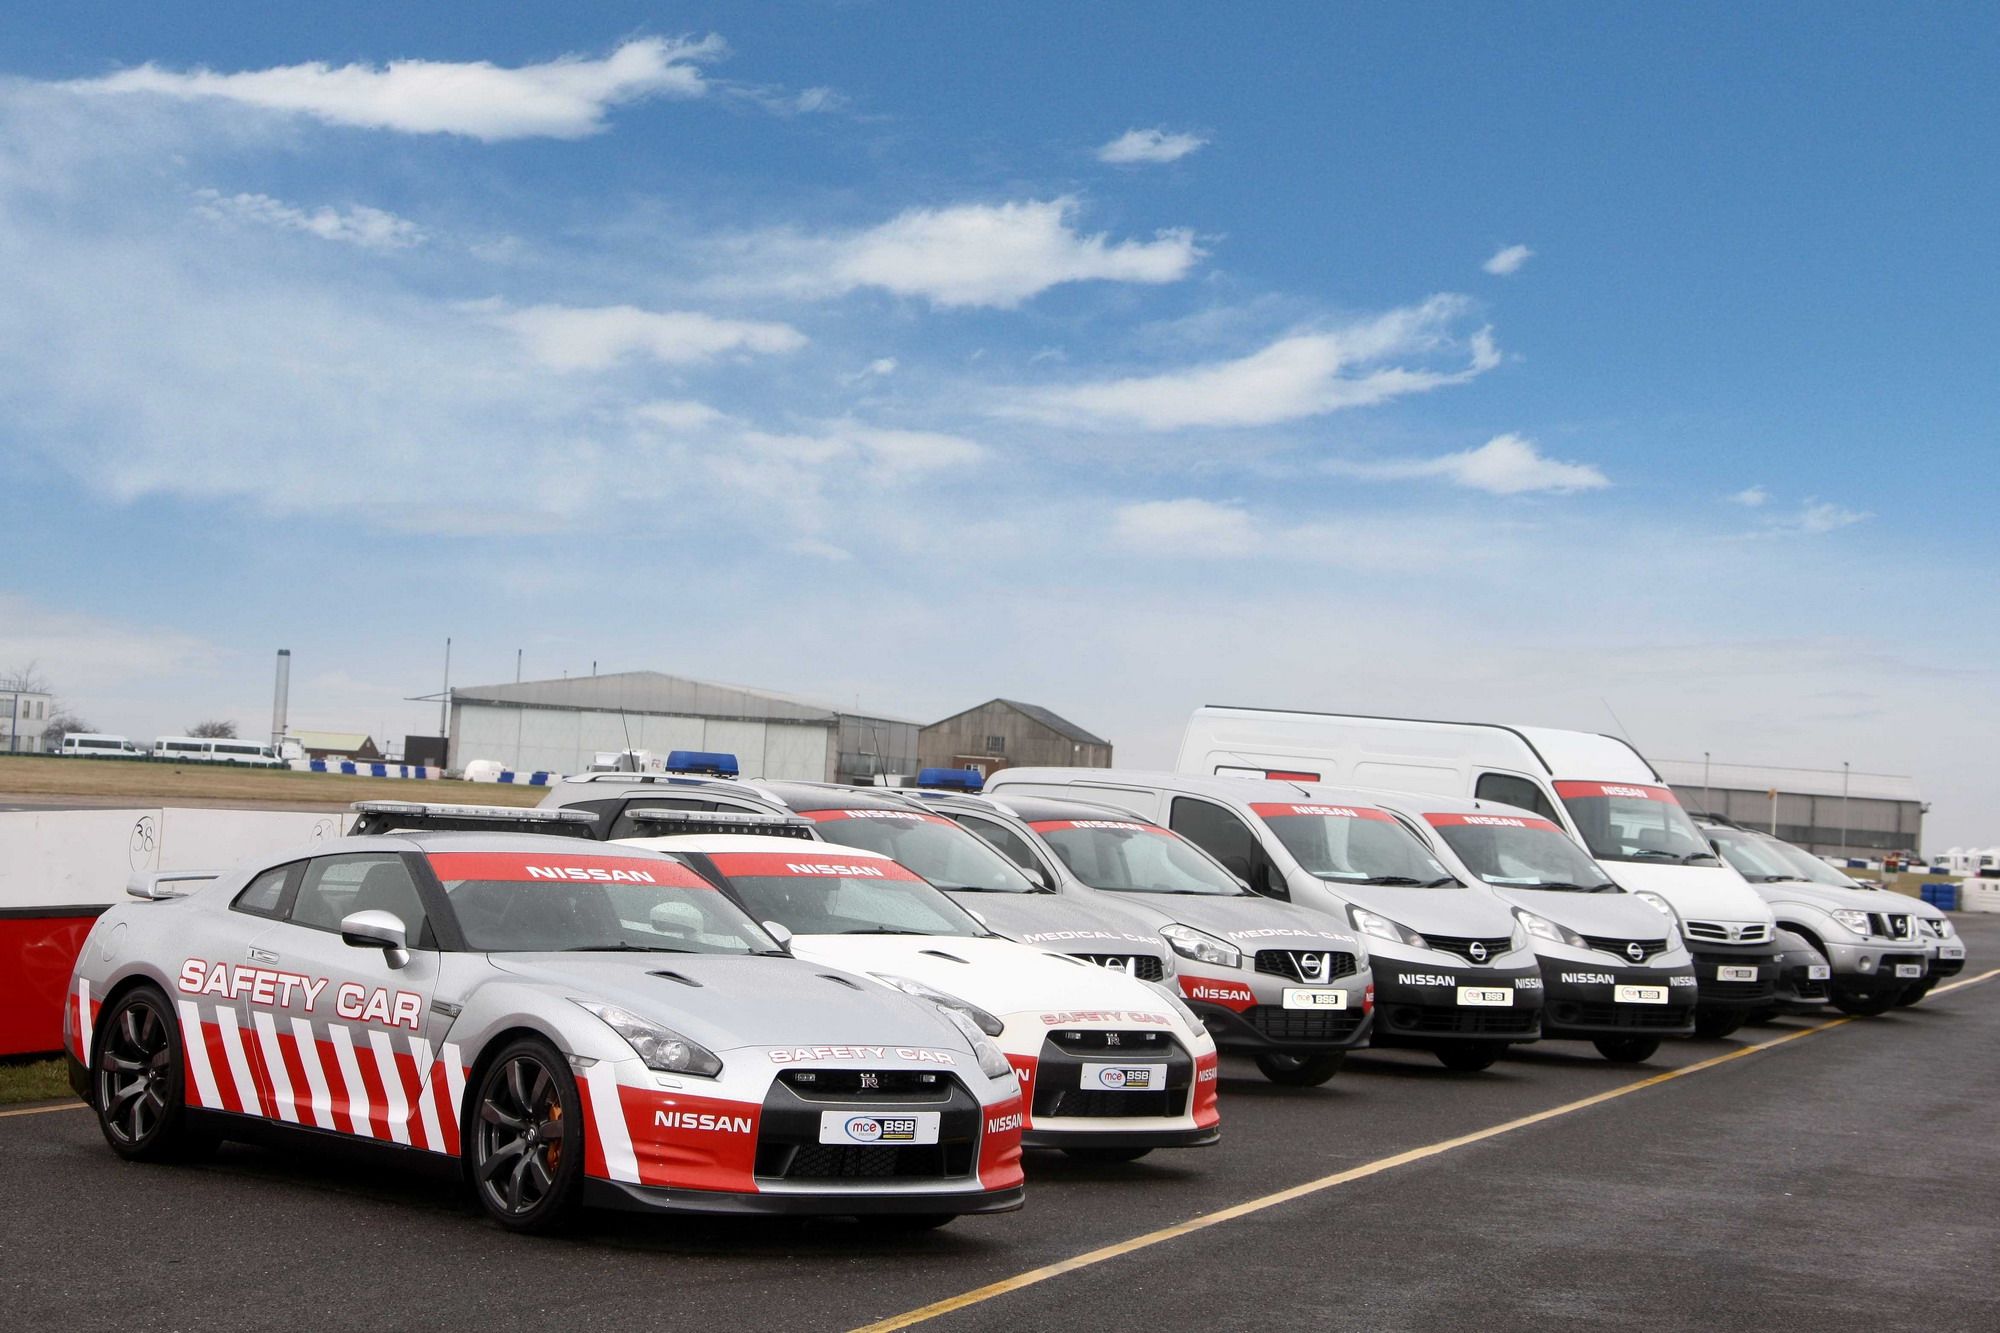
column 395, row 1091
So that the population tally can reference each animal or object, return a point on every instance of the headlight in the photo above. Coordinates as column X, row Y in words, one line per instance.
column 992, row 1060
column 660, row 1047
column 1381, row 927
column 985, row 1022
column 1191, row 943
column 1540, row 927
column 1853, row 918
column 1654, row 900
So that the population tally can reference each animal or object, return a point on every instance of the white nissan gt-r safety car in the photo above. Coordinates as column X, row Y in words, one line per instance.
column 573, row 1022
column 1110, row 1067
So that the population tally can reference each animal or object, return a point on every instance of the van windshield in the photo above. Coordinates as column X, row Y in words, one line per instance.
column 1628, row 821
column 1521, row 852
column 1125, row 856
column 1353, row 844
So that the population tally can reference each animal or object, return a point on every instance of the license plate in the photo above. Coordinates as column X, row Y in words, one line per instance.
column 1125, row 1078
column 1488, row 996
column 1952, row 951
column 1735, row 974
column 1296, row 998
column 1639, row 994
column 1818, row 971
column 895, row 1127
column 1909, row 971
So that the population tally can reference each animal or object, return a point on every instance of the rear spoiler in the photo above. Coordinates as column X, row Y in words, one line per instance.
column 405, row 816
column 159, row 885
column 678, row 823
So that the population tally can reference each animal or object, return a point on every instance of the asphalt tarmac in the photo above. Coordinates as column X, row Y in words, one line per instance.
column 1841, row 1177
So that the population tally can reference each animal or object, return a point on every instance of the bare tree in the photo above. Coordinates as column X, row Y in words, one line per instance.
column 214, row 730
column 28, row 679
column 61, row 725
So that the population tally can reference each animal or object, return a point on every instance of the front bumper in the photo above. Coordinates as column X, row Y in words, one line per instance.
column 1162, row 1095
column 1717, row 988
column 851, row 1202
column 1272, row 1027
column 1262, row 1008
column 1426, row 1003
column 1876, row 963
column 1594, row 1000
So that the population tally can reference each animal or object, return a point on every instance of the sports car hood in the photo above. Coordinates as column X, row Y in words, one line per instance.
column 1702, row 893
column 731, row 1001
column 999, row 976
column 1063, row 922
column 1463, row 912
column 1619, row 915
column 1249, row 921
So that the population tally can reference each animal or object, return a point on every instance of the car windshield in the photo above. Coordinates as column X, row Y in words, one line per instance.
column 1353, row 844
column 820, row 893
column 1623, row 821
column 561, row 900
column 1521, row 852
column 1807, row 866
column 1124, row 856
column 1756, row 859
column 937, row 849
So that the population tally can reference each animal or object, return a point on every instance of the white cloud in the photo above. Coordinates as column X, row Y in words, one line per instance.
column 1149, row 146
column 890, row 453
column 1207, row 530
column 598, row 337
column 83, row 653
column 678, row 414
column 1817, row 517
column 369, row 228
column 1303, row 375
column 1184, row 528
column 964, row 255
column 1504, row 465
column 876, row 369
column 1750, row 497
column 1508, row 261
column 565, row 98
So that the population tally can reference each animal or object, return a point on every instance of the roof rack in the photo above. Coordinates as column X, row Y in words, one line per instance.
column 672, row 779
column 402, row 816
column 676, row 823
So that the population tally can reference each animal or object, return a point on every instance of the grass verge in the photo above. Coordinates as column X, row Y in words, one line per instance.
column 144, row 781
column 33, row 1081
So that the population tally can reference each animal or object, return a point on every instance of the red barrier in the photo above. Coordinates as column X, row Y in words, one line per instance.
column 38, row 947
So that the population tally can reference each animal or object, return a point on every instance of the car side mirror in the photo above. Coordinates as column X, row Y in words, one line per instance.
column 778, row 932
column 976, row 915
column 376, row 929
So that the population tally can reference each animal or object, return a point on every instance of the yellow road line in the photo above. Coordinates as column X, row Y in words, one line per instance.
column 1202, row 1222
column 44, row 1110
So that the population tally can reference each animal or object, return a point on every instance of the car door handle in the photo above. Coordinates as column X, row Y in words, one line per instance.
column 261, row 956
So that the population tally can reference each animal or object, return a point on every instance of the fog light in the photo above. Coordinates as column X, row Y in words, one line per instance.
column 1866, row 964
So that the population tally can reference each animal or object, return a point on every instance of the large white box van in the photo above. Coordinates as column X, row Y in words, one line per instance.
column 1599, row 789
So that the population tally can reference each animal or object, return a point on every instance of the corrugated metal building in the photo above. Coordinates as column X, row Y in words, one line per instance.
column 1881, row 812
column 560, row 725
column 1005, row 733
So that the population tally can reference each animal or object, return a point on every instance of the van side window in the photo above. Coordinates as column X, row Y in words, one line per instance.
column 1520, row 792
column 1005, row 841
column 1226, row 838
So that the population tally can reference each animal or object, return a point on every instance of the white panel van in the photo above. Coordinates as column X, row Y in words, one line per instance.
column 97, row 745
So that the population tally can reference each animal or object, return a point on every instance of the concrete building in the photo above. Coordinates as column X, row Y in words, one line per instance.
column 24, row 715
column 560, row 725
column 1879, row 812
column 1005, row 733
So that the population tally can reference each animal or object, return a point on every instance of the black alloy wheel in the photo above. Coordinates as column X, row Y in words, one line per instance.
column 137, row 1081
column 527, row 1141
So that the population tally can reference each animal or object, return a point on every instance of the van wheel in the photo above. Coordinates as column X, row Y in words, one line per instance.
column 1300, row 1071
column 1626, row 1050
column 1915, row 993
column 1865, row 1003
column 1469, row 1057
column 1715, row 1024
column 138, row 1081
column 1107, row 1156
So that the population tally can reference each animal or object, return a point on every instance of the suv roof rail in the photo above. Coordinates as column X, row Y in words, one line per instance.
column 674, row 823
column 401, row 816
column 688, row 779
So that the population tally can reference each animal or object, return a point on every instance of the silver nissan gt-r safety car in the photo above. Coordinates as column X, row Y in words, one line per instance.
column 572, row 1022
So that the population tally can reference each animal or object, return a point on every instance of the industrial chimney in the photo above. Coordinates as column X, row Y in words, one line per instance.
column 281, row 700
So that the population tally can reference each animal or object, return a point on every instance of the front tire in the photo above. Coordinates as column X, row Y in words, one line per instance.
column 1715, row 1024
column 1107, row 1156
column 138, row 1081
column 1865, row 1003
column 526, row 1162
column 1469, row 1057
column 1300, row 1071
column 1626, row 1050
column 1916, row 993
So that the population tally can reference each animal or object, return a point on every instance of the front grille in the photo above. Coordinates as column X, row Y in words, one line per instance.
column 1612, row 944
column 1112, row 1044
column 1293, row 964
column 1143, row 966
column 1489, row 947
column 1715, row 932
column 1440, row 1021
column 1098, row 1102
column 1322, row 1025
column 1708, row 988
column 1640, row 1017
column 1805, row 987
column 1894, row 927
column 868, row 1085
column 832, row 1161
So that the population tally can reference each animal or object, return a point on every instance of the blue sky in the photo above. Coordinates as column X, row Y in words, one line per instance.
column 1532, row 363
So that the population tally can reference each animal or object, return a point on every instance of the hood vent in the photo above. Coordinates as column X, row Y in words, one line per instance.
column 842, row 981
column 675, row 976
column 948, row 957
